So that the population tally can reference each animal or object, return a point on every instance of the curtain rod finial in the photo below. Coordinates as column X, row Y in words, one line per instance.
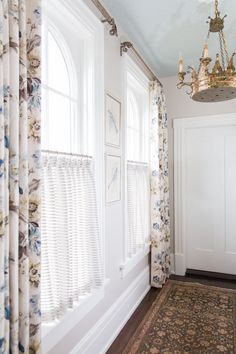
column 125, row 46
column 113, row 31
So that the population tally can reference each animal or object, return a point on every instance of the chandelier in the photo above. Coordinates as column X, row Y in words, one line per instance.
column 211, row 83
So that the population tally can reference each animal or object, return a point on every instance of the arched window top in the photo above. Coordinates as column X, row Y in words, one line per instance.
column 60, row 98
column 60, row 72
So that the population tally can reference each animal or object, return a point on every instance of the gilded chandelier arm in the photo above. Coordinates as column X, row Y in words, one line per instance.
column 180, row 85
column 183, row 83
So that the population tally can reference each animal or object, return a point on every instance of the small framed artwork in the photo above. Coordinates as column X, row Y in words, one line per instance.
column 113, row 178
column 112, row 121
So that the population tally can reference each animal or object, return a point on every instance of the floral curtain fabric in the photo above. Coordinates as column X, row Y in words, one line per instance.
column 20, row 37
column 160, row 221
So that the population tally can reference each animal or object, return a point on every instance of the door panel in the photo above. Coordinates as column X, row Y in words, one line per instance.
column 230, row 186
column 210, row 190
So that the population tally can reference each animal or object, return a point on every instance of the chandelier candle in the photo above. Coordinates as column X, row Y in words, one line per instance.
column 212, row 84
column 181, row 65
column 206, row 53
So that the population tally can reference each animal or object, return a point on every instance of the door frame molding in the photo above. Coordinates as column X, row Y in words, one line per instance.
column 181, row 126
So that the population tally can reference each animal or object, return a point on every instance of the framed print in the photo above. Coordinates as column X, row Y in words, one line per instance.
column 113, row 178
column 112, row 121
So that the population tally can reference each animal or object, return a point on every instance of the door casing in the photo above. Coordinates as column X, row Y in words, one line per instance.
column 181, row 127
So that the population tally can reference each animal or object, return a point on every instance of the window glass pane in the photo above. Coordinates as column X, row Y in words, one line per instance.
column 133, row 148
column 59, row 123
column 133, row 131
column 58, row 77
column 145, row 128
column 133, row 112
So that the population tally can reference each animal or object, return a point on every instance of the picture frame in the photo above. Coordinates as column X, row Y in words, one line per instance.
column 113, row 178
column 112, row 121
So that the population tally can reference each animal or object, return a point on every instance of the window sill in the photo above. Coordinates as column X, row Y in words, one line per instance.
column 52, row 333
column 130, row 263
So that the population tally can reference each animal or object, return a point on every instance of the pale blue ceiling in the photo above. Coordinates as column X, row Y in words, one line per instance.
column 160, row 29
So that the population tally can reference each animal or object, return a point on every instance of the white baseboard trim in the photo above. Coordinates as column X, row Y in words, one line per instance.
column 180, row 268
column 104, row 332
column 172, row 263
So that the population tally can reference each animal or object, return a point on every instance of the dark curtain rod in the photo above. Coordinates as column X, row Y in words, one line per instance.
column 124, row 45
column 107, row 17
column 65, row 154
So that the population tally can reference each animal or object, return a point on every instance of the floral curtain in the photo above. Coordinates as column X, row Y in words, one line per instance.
column 20, row 37
column 160, row 221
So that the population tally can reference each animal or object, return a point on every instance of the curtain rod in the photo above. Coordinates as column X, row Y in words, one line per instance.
column 137, row 163
column 107, row 16
column 125, row 46
column 65, row 153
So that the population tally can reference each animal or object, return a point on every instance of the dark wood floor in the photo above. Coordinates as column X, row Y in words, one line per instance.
column 122, row 340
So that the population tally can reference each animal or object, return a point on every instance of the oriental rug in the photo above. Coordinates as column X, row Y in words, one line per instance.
column 188, row 318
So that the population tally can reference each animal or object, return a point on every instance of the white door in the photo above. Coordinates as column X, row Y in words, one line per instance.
column 209, row 197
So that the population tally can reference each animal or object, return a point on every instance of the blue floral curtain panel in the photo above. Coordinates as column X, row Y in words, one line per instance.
column 160, row 221
column 20, row 37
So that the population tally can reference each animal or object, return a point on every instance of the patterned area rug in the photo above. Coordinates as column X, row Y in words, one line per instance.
column 188, row 318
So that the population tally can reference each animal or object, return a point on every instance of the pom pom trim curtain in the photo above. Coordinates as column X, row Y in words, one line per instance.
column 20, row 100
column 160, row 220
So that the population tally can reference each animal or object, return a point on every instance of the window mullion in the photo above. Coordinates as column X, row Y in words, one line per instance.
column 47, row 87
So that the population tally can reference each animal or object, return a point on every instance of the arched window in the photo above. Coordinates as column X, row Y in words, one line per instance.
column 60, row 102
column 72, row 209
column 137, row 149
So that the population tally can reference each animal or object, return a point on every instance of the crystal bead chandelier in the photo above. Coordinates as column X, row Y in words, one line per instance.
column 211, row 83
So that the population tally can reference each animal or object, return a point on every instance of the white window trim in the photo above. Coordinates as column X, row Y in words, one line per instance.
column 53, row 333
column 128, row 263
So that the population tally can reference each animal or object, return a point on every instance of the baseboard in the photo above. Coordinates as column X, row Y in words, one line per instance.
column 180, row 268
column 104, row 332
column 212, row 275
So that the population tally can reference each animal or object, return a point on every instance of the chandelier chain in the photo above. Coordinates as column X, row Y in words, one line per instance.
column 222, row 51
column 216, row 8
column 225, row 46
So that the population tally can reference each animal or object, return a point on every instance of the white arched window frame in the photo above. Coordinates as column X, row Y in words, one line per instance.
column 137, row 170
column 81, row 40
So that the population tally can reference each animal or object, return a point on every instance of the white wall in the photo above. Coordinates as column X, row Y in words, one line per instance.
column 120, row 299
column 179, row 105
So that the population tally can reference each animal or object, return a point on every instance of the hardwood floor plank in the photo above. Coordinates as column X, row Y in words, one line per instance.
column 122, row 340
